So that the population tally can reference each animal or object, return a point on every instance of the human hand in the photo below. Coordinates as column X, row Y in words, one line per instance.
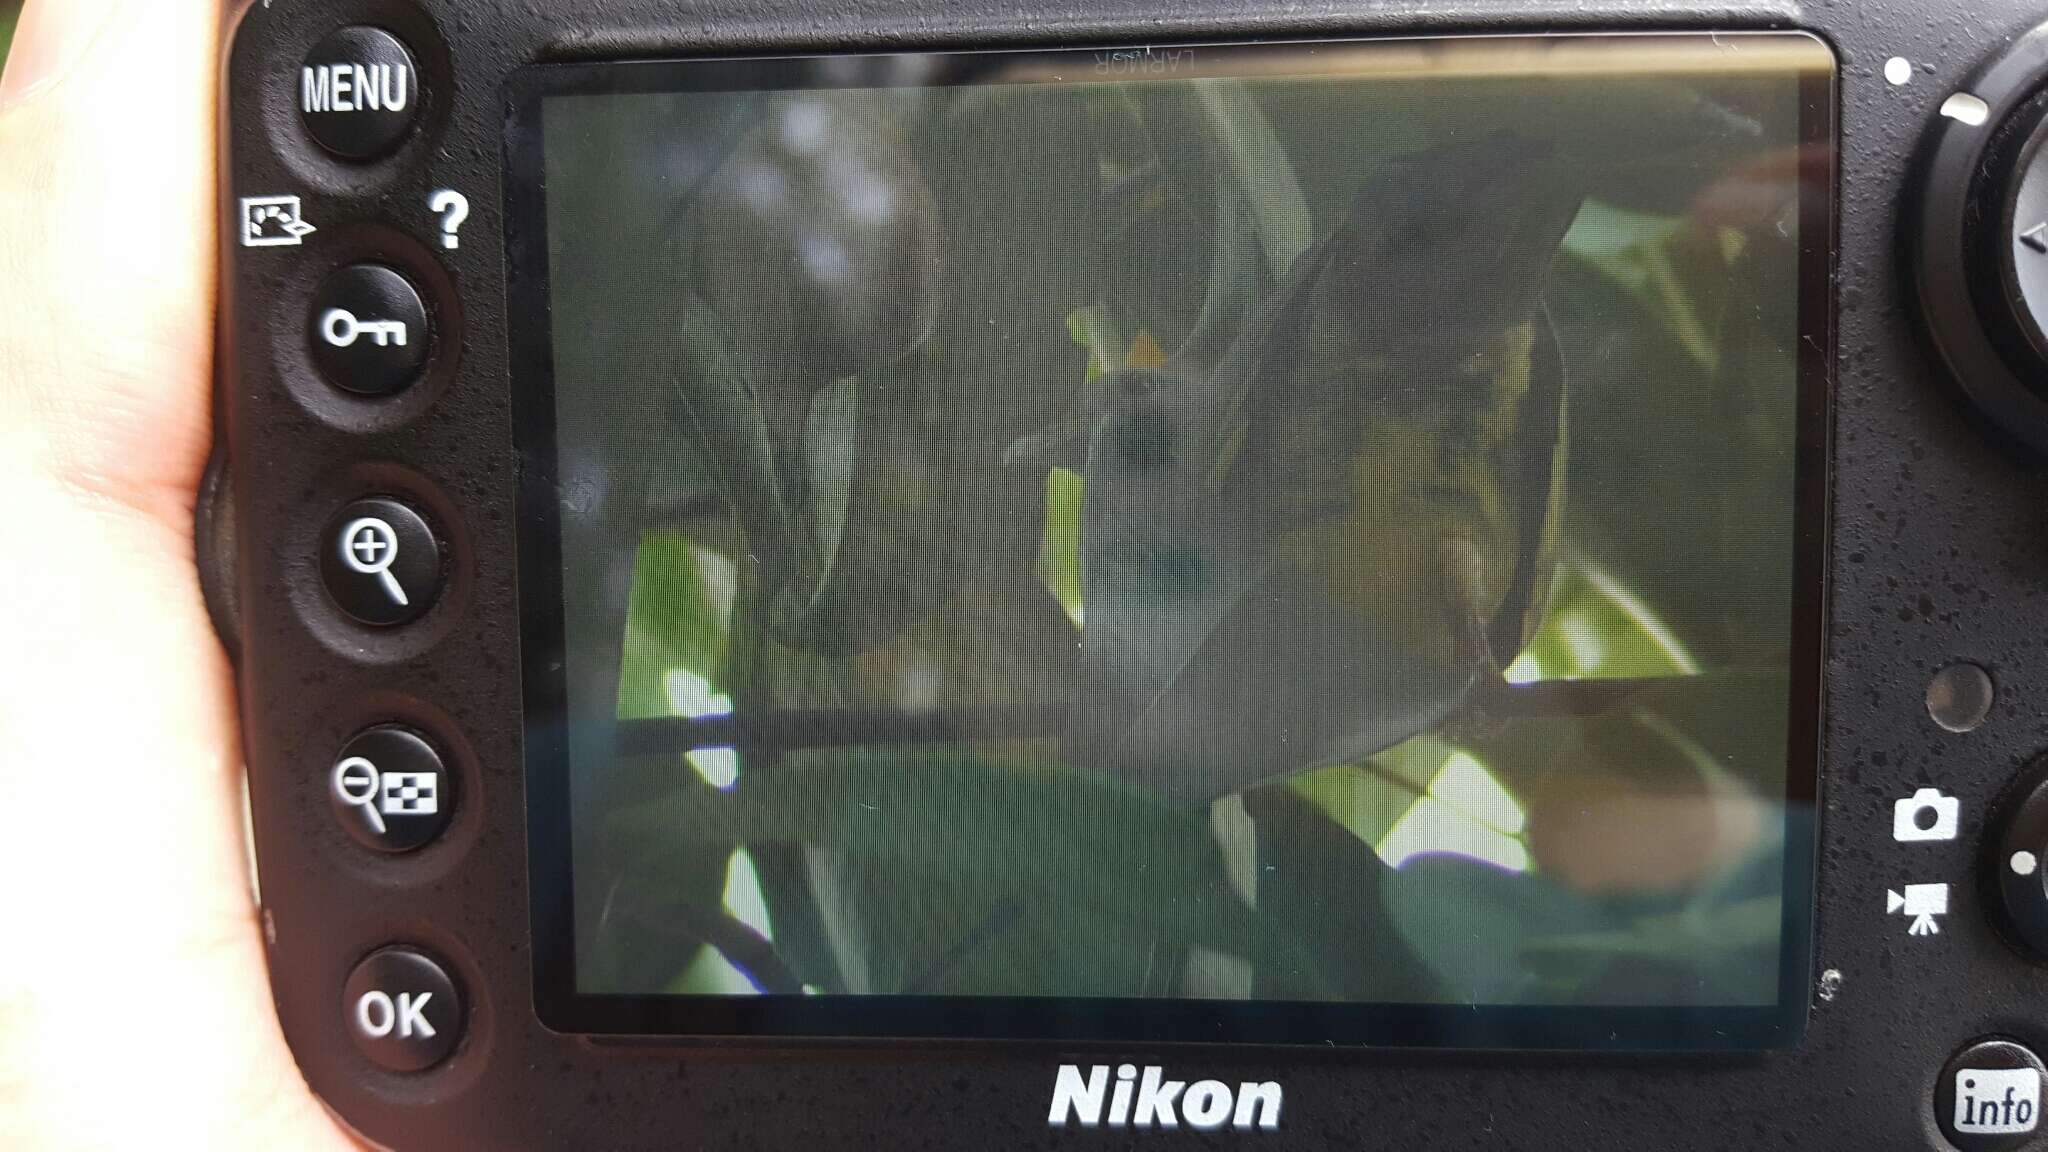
column 134, row 1003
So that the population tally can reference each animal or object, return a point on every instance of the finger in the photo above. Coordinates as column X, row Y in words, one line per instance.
column 48, row 39
column 106, row 327
column 106, row 248
column 1761, row 194
column 118, row 771
column 120, row 693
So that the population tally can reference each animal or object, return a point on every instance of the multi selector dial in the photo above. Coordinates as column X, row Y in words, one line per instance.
column 2016, row 862
column 1979, row 247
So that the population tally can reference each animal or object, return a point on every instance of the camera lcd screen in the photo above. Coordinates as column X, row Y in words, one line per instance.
column 1305, row 542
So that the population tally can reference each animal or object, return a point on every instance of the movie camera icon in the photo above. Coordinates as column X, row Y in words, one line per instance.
column 1923, row 903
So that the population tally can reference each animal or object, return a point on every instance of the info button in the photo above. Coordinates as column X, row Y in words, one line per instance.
column 1988, row 1098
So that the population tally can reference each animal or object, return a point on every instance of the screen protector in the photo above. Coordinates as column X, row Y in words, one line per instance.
column 1304, row 542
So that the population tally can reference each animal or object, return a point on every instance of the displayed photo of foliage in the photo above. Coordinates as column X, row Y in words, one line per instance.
column 1261, row 538
column 10, row 15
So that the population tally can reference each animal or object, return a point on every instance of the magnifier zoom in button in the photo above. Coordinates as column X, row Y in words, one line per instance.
column 370, row 546
column 381, row 562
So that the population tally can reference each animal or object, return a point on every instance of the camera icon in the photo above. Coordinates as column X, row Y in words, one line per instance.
column 1925, row 815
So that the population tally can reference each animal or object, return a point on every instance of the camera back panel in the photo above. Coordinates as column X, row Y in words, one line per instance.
column 433, row 388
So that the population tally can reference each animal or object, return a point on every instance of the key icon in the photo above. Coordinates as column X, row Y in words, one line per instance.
column 370, row 546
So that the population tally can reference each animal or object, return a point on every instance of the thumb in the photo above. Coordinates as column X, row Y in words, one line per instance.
column 106, row 332
column 47, row 41
column 106, row 245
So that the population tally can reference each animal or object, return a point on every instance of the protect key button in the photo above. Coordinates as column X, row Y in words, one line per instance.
column 370, row 331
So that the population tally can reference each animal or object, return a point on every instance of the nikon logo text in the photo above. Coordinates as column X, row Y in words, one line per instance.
column 1152, row 1101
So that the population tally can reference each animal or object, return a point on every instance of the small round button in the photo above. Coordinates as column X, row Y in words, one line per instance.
column 389, row 789
column 359, row 93
column 370, row 331
column 403, row 1011
column 380, row 562
column 1989, row 1096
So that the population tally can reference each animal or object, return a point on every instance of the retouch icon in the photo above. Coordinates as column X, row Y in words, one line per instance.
column 1206, row 1105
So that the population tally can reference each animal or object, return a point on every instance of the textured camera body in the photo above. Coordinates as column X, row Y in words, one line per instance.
column 1927, row 550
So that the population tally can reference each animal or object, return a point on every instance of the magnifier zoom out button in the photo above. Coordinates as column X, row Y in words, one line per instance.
column 356, row 781
column 390, row 789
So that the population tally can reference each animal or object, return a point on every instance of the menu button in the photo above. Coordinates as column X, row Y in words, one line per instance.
column 359, row 93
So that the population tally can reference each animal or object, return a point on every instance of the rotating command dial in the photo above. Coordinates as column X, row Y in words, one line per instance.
column 2022, row 238
column 1979, row 244
column 2017, row 863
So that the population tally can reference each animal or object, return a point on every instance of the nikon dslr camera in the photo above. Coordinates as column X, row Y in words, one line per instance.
column 1315, row 576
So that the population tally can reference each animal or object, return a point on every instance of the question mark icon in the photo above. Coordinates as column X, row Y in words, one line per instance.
column 453, row 208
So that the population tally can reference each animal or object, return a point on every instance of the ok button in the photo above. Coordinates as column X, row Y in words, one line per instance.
column 370, row 331
column 380, row 562
column 402, row 1009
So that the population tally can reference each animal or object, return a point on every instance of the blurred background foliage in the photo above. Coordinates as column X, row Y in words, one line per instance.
column 10, row 13
column 1435, row 799
column 1451, row 867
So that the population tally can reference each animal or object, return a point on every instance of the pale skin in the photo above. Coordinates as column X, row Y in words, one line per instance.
column 135, row 1009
